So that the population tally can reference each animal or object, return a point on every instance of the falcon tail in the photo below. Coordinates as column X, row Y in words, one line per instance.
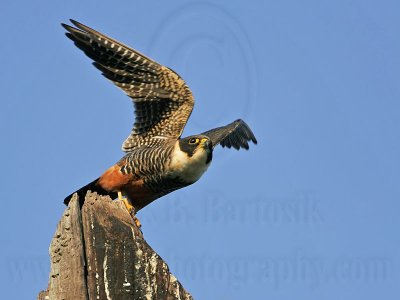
column 94, row 187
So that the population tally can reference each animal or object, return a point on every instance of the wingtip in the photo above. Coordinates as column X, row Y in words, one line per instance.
column 70, row 30
column 83, row 27
column 67, row 25
column 67, row 200
column 76, row 23
column 253, row 138
column 78, row 26
column 250, row 134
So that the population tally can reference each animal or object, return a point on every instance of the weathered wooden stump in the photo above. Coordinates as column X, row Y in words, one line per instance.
column 99, row 253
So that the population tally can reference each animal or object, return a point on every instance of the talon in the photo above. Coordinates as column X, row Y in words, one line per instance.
column 137, row 222
column 130, row 208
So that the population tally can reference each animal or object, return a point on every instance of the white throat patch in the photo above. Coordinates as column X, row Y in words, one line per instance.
column 188, row 168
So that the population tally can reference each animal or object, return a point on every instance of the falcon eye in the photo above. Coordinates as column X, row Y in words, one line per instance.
column 193, row 141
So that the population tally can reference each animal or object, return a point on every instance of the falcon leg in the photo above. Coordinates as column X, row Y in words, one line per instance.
column 125, row 200
column 130, row 208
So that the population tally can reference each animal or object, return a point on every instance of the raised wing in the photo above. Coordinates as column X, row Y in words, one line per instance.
column 162, row 100
column 236, row 134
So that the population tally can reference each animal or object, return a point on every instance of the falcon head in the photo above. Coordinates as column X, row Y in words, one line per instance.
column 191, row 157
column 196, row 143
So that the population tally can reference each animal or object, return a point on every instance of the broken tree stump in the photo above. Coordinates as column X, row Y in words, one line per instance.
column 98, row 252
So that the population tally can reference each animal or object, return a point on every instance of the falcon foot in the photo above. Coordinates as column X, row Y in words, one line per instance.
column 130, row 208
column 137, row 222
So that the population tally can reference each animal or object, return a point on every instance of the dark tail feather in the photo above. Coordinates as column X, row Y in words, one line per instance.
column 94, row 187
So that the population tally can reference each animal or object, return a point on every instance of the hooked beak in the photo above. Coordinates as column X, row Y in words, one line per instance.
column 205, row 143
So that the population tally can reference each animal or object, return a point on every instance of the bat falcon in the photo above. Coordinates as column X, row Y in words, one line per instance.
column 157, row 161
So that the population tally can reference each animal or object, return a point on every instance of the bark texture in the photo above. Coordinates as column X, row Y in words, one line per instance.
column 98, row 252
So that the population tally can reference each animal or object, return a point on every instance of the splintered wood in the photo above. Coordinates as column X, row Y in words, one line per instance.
column 98, row 252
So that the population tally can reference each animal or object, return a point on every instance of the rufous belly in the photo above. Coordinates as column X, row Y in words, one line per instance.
column 113, row 180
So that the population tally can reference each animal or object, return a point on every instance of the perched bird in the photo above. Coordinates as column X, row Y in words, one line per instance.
column 157, row 161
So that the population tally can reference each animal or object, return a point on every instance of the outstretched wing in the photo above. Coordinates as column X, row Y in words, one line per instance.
column 236, row 134
column 162, row 100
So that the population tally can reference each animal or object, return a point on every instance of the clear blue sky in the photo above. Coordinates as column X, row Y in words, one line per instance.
column 312, row 212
